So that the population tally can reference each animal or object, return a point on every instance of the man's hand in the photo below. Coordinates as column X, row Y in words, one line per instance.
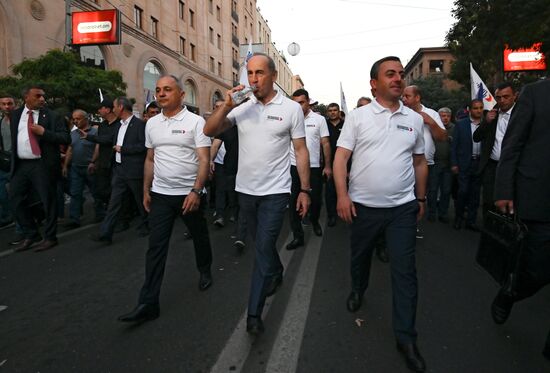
column 212, row 168
column 147, row 201
column 327, row 172
column 427, row 119
column 191, row 203
column 454, row 170
column 491, row 115
column 505, row 206
column 421, row 210
column 37, row 129
column 346, row 209
column 117, row 148
column 302, row 204
column 83, row 134
column 64, row 171
column 91, row 168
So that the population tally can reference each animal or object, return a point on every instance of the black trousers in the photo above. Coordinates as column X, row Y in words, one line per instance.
column 316, row 183
column 468, row 192
column 488, row 186
column 103, row 178
column 399, row 225
column 120, row 186
column 330, row 198
column 164, row 211
column 30, row 176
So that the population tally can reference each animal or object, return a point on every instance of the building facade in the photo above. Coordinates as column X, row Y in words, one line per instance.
column 435, row 61
column 196, row 40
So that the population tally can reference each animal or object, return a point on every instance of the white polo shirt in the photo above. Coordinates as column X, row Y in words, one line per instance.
column 265, row 134
column 429, row 144
column 383, row 143
column 316, row 128
column 175, row 141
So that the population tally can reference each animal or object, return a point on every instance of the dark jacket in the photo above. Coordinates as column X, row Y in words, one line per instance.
column 461, row 146
column 133, row 149
column 523, row 174
column 56, row 133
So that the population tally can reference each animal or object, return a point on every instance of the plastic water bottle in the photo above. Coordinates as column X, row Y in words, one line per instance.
column 239, row 96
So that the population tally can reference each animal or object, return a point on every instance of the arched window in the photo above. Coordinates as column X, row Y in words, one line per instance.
column 216, row 97
column 151, row 73
column 92, row 56
column 190, row 93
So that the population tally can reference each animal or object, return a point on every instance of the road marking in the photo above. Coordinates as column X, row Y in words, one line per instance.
column 286, row 349
column 237, row 348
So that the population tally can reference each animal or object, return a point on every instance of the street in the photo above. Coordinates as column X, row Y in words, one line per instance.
column 63, row 305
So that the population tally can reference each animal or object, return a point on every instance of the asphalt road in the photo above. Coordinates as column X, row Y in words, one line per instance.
column 63, row 305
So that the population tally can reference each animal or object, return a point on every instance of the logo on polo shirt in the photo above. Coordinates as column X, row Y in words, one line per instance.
column 273, row 117
column 310, row 125
column 404, row 128
column 176, row 132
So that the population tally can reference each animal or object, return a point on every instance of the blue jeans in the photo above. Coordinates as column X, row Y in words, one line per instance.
column 5, row 207
column 80, row 179
column 439, row 181
column 264, row 218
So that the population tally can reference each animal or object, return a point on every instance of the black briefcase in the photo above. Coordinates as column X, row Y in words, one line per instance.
column 500, row 245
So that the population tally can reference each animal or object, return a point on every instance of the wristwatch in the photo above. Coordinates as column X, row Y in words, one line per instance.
column 200, row 192
column 306, row 191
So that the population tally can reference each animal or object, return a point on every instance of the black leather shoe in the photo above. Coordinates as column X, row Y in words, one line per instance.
column 472, row 227
column 546, row 351
column 45, row 245
column 317, row 229
column 26, row 244
column 354, row 301
column 415, row 361
column 16, row 240
column 458, row 223
column 254, row 325
column 99, row 238
column 294, row 244
column 276, row 281
column 382, row 254
column 331, row 221
column 501, row 308
column 143, row 312
column 205, row 280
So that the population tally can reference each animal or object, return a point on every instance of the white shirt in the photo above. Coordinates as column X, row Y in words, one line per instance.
column 265, row 134
column 316, row 128
column 24, row 150
column 220, row 155
column 383, row 143
column 429, row 144
column 175, row 141
column 502, row 125
column 476, row 146
column 120, row 138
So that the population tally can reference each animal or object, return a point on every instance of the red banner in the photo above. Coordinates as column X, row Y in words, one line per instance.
column 524, row 59
column 98, row 27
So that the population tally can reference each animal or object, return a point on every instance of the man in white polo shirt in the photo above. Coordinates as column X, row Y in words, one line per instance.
column 267, row 124
column 175, row 171
column 317, row 138
column 387, row 187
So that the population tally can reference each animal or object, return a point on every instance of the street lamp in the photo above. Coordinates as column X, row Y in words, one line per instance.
column 293, row 49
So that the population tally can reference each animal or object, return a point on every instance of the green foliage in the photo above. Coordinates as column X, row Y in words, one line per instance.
column 435, row 96
column 68, row 83
column 322, row 109
column 484, row 27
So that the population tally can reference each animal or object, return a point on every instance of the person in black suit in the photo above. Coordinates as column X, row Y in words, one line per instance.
column 128, row 159
column 490, row 133
column 36, row 133
column 521, row 188
column 465, row 156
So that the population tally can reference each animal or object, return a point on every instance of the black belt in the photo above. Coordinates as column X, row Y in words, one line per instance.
column 475, row 157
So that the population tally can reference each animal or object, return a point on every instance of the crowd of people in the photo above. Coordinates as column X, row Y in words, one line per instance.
column 382, row 167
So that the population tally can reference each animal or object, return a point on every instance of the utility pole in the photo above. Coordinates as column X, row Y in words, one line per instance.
column 68, row 24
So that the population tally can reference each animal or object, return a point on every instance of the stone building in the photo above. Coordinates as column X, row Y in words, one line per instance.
column 434, row 61
column 197, row 40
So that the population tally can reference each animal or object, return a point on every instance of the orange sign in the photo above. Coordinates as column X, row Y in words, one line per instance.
column 524, row 59
column 98, row 27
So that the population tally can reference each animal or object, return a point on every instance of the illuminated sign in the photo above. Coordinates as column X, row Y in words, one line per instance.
column 98, row 27
column 524, row 59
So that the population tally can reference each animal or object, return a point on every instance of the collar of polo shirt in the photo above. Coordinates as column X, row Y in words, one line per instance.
column 377, row 108
column 178, row 116
column 277, row 100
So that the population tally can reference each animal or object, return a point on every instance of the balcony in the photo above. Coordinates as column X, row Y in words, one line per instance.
column 235, row 40
column 235, row 16
column 236, row 65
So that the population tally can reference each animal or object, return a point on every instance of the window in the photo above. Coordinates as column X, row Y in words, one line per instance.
column 211, row 35
column 211, row 6
column 219, row 41
column 181, row 10
column 151, row 73
column 219, row 68
column 182, row 46
column 436, row 66
column 138, row 14
column 92, row 56
column 191, row 18
column 190, row 93
column 212, row 64
column 218, row 13
column 154, row 27
column 193, row 53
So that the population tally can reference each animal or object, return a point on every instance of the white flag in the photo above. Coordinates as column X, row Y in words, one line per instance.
column 343, row 105
column 100, row 96
column 479, row 90
column 243, row 78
